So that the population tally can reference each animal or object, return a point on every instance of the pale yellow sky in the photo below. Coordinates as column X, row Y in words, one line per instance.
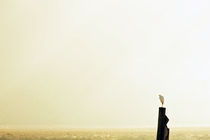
column 102, row 63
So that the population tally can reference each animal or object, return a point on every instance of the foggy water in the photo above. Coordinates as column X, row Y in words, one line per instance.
column 103, row 134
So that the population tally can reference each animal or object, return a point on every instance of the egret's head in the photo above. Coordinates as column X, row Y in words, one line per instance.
column 160, row 95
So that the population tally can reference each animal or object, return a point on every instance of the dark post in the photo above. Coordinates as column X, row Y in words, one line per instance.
column 163, row 131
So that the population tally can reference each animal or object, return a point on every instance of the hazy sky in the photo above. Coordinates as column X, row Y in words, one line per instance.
column 102, row 63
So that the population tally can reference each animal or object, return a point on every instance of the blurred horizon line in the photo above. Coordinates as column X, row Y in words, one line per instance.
column 57, row 127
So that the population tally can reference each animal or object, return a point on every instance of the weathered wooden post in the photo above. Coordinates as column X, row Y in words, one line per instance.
column 163, row 130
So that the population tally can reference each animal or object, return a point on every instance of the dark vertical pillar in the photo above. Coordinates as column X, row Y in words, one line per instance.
column 162, row 131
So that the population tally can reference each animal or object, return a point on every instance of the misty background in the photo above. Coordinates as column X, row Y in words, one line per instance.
column 102, row 63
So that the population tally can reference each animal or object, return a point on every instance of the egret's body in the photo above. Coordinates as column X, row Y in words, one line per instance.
column 161, row 99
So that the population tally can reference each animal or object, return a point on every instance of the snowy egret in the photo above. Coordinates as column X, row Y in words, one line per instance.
column 161, row 99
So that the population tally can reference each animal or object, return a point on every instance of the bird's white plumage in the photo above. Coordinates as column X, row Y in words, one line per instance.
column 161, row 99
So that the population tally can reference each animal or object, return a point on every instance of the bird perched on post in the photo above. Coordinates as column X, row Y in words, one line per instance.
column 161, row 99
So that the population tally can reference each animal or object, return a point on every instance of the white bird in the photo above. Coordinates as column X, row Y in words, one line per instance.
column 161, row 99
